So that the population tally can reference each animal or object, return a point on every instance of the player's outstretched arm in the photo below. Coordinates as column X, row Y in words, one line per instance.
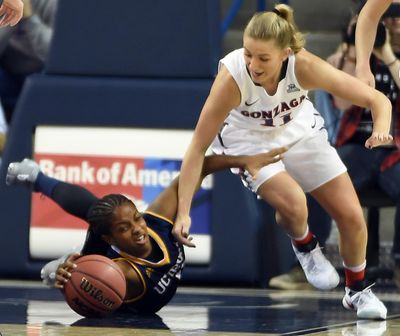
column 166, row 203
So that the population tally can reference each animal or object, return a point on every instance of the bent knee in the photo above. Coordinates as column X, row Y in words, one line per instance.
column 292, row 209
column 352, row 220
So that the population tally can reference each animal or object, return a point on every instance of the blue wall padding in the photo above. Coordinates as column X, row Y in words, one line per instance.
column 151, row 38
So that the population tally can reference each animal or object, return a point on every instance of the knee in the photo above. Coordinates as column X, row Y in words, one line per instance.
column 352, row 221
column 292, row 209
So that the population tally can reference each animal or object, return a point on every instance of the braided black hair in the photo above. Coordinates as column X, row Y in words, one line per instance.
column 100, row 214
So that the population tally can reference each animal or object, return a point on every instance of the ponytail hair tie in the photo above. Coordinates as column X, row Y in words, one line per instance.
column 277, row 12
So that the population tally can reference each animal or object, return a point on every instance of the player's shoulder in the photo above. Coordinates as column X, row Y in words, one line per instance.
column 304, row 57
column 306, row 62
column 155, row 217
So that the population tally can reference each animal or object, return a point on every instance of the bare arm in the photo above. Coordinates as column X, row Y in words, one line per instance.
column 223, row 97
column 166, row 203
column 314, row 73
column 367, row 23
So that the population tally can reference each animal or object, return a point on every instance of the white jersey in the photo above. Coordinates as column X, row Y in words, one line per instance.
column 288, row 113
column 262, row 122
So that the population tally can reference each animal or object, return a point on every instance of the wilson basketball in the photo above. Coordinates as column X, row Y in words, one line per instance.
column 97, row 286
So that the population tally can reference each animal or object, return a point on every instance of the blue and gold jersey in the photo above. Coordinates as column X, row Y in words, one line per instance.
column 159, row 279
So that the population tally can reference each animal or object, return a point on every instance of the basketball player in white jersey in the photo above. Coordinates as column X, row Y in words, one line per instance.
column 367, row 24
column 258, row 102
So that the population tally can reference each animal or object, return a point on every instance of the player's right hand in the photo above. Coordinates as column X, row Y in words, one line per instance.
column 378, row 139
column 62, row 273
column 256, row 162
column 180, row 231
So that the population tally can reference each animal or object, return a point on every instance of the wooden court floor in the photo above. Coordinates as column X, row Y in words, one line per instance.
column 29, row 308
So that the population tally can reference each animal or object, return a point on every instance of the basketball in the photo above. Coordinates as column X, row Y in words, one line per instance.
column 96, row 288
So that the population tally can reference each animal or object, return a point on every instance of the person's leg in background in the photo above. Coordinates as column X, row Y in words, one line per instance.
column 364, row 169
column 389, row 181
column 331, row 114
column 10, row 88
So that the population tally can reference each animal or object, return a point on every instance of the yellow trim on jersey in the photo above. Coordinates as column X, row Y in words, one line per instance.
column 159, row 216
column 136, row 269
column 166, row 260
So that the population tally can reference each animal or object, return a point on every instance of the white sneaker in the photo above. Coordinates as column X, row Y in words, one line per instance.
column 318, row 270
column 368, row 306
column 366, row 328
column 24, row 172
column 48, row 272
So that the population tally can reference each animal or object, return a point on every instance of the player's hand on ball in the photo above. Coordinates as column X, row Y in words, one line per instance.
column 180, row 231
column 378, row 139
column 256, row 162
column 63, row 274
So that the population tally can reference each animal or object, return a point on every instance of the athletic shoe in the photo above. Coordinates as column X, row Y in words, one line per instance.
column 48, row 272
column 24, row 172
column 318, row 270
column 292, row 280
column 368, row 306
column 366, row 328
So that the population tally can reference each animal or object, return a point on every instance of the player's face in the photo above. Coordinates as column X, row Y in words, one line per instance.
column 129, row 231
column 263, row 59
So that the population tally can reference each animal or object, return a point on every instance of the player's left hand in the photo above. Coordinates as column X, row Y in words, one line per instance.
column 378, row 139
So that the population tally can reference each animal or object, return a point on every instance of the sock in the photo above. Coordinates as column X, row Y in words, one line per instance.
column 355, row 276
column 45, row 184
column 306, row 243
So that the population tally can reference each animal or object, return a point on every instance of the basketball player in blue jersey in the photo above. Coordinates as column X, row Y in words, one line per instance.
column 259, row 101
column 140, row 243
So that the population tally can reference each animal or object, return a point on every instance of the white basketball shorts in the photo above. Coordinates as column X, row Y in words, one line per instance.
column 310, row 159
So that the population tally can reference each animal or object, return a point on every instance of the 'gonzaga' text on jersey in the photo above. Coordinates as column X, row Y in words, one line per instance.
column 258, row 110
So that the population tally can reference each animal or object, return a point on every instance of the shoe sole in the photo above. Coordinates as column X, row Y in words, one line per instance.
column 365, row 314
column 371, row 315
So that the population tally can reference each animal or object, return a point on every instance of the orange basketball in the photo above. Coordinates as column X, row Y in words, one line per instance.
column 97, row 286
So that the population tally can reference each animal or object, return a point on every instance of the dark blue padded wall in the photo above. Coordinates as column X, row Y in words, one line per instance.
column 149, row 38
